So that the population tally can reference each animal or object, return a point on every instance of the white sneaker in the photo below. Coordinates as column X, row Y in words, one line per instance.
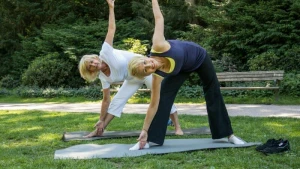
column 137, row 146
column 235, row 140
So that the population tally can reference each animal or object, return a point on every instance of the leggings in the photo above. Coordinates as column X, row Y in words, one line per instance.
column 219, row 121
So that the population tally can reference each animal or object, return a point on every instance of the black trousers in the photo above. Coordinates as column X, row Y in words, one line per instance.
column 219, row 121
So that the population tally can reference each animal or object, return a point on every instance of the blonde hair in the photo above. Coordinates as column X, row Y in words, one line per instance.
column 84, row 72
column 133, row 66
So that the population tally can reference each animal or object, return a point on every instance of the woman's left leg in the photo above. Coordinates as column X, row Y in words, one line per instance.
column 219, row 121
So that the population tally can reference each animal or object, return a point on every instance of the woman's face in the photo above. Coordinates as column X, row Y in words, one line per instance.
column 95, row 65
column 148, row 66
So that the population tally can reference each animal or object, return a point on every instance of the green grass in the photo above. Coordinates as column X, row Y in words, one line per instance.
column 30, row 138
column 283, row 100
column 15, row 99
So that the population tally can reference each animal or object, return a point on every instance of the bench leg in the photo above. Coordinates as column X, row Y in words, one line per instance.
column 276, row 95
column 277, row 82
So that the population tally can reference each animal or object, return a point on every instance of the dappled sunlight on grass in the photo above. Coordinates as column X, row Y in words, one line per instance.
column 47, row 137
column 18, row 119
column 283, row 100
column 274, row 124
column 92, row 119
column 14, row 99
column 295, row 133
column 48, row 115
column 34, row 128
column 6, row 112
column 30, row 138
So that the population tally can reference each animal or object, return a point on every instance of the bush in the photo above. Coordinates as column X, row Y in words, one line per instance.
column 28, row 92
column 264, row 61
column 191, row 92
column 4, row 92
column 93, row 92
column 9, row 82
column 48, row 71
column 291, row 84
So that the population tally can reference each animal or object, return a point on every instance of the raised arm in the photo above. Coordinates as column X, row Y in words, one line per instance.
column 111, row 23
column 159, row 42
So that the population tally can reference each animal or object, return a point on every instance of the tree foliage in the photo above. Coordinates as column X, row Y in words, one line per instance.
column 239, row 34
column 252, row 28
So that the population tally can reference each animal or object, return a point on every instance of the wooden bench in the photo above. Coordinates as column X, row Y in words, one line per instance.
column 252, row 76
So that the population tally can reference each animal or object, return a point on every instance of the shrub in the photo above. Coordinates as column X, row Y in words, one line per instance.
column 291, row 84
column 4, row 92
column 264, row 61
column 92, row 92
column 28, row 92
column 48, row 71
column 191, row 92
column 9, row 82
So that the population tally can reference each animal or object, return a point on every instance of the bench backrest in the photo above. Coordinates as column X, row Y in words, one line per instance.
column 245, row 76
column 250, row 76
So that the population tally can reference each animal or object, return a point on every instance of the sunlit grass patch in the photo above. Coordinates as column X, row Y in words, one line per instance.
column 30, row 138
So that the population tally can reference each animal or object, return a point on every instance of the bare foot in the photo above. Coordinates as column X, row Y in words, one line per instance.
column 178, row 132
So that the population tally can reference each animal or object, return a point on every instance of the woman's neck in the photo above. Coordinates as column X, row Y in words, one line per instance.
column 164, row 64
column 106, row 70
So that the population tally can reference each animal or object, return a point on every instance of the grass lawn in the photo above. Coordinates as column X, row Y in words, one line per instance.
column 30, row 138
column 283, row 100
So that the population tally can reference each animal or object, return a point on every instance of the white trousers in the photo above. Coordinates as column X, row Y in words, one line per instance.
column 128, row 88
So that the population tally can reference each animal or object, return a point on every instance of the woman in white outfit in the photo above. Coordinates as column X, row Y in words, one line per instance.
column 112, row 66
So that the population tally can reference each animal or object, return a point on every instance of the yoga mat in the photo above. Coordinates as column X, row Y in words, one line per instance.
column 89, row 151
column 78, row 135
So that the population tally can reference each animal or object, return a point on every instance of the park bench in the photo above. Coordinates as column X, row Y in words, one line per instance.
column 251, row 76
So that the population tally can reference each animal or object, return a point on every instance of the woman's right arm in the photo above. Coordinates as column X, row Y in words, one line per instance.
column 111, row 23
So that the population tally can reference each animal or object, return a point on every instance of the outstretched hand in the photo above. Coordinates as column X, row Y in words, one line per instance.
column 98, row 131
column 92, row 134
column 99, row 128
column 111, row 3
column 143, row 139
